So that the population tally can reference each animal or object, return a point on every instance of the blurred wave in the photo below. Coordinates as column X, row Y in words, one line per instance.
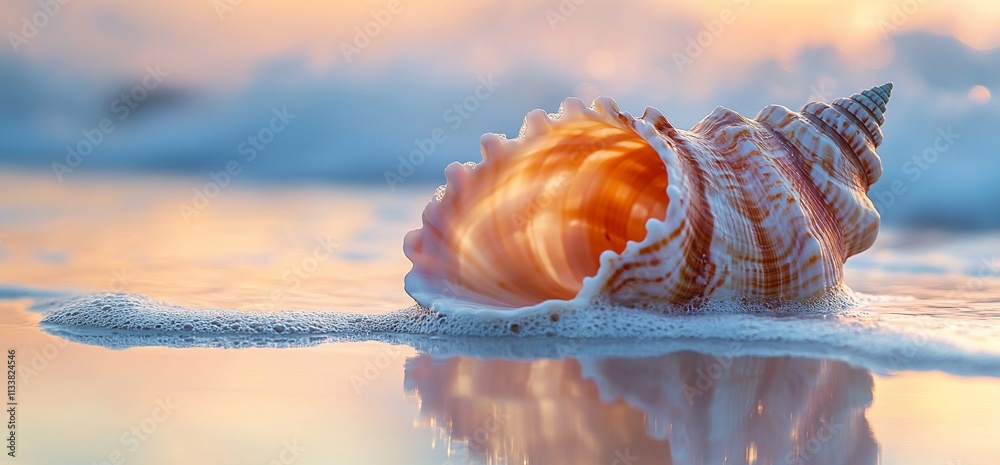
column 410, row 109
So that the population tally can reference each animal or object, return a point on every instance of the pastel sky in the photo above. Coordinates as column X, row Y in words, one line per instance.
column 365, row 79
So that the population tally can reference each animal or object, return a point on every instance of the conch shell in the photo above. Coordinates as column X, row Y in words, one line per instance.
column 594, row 205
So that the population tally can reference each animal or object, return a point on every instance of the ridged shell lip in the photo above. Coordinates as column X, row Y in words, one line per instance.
column 422, row 285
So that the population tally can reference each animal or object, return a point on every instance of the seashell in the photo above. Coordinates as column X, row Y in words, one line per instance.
column 594, row 205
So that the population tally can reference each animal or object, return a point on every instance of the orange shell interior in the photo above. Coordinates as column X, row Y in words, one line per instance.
column 553, row 206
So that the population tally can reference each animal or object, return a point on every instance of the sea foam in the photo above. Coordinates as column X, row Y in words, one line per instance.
column 122, row 320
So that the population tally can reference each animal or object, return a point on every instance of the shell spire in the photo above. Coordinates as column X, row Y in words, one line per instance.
column 868, row 107
column 855, row 122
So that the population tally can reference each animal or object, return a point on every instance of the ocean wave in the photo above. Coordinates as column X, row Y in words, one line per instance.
column 939, row 150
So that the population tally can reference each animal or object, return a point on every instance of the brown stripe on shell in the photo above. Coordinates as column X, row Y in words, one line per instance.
column 774, row 264
column 698, row 268
column 818, row 212
column 862, row 98
column 838, row 139
column 847, row 113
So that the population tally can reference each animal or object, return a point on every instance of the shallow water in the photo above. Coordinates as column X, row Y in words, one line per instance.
column 909, row 376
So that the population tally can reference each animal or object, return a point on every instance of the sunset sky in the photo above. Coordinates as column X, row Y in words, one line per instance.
column 366, row 79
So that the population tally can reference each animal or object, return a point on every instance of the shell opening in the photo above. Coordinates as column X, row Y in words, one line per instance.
column 531, row 222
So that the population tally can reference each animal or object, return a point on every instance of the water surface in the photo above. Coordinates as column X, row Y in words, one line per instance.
column 917, row 384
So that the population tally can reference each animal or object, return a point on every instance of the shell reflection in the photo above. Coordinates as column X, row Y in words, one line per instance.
column 682, row 408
